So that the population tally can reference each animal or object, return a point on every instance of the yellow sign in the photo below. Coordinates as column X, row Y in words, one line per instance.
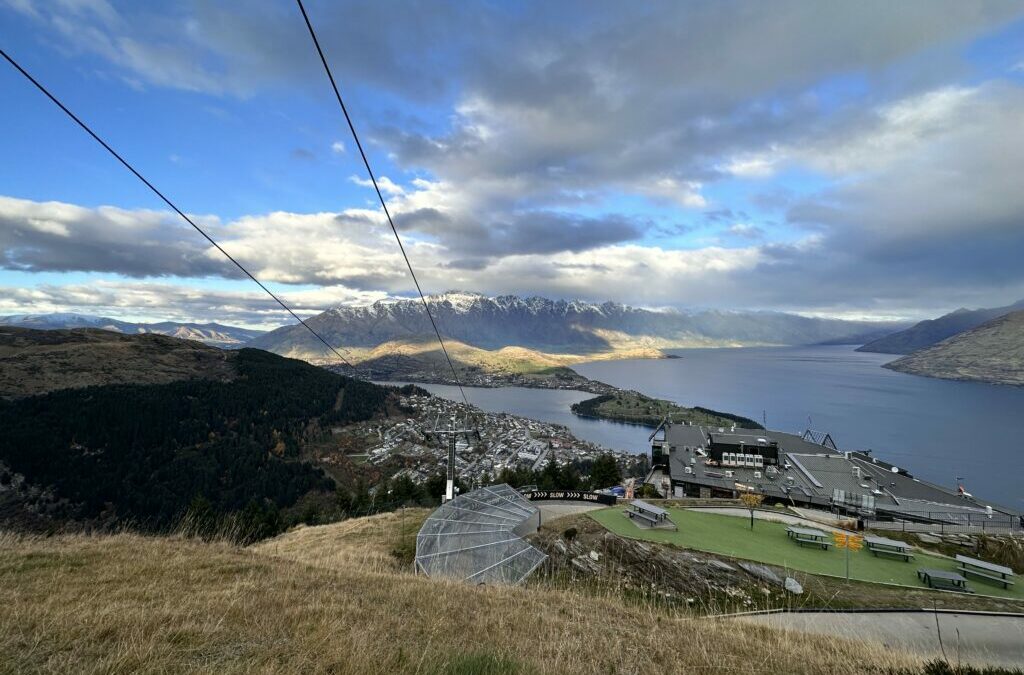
column 853, row 542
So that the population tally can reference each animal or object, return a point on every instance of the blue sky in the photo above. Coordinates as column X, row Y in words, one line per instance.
column 842, row 159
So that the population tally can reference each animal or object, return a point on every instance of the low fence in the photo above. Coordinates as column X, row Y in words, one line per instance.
column 570, row 496
column 943, row 522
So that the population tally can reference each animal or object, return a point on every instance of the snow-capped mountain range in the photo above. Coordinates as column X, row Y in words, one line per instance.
column 557, row 326
column 491, row 323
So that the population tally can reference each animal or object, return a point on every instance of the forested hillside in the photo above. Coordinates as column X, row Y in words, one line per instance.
column 143, row 454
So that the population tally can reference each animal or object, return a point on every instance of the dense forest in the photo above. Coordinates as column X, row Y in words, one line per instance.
column 146, row 454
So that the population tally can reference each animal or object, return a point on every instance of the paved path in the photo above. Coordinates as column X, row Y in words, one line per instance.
column 553, row 510
column 983, row 639
column 786, row 518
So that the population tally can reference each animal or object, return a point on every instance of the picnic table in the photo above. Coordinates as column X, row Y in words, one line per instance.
column 882, row 546
column 950, row 581
column 985, row 570
column 653, row 516
column 807, row 535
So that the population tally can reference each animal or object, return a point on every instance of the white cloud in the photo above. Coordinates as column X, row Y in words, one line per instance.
column 162, row 301
column 928, row 246
column 871, row 141
column 682, row 193
column 386, row 185
column 746, row 230
column 756, row 165
column 49, row 227
column 921, row 172
column 899, row 130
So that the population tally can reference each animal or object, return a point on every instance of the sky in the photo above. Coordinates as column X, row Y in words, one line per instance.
column 849, row 159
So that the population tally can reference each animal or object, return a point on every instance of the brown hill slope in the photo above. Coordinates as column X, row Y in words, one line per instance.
column 37, row 361
column 992, row 352
column 932, row 331
column 128, row 603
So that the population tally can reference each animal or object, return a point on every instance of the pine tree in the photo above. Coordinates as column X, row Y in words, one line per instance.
column 605, row 472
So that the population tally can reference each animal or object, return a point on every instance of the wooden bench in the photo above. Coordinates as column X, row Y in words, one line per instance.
column 876, row 551
column 943, row 580
column 985, row 570
column 643, row 516
column 813, row 541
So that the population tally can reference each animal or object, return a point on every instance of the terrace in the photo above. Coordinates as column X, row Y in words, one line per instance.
column 768, row 543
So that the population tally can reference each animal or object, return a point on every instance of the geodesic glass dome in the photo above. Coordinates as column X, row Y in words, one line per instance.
column 476, row 537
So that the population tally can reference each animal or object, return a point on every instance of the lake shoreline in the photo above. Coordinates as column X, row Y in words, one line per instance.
column 940, row 430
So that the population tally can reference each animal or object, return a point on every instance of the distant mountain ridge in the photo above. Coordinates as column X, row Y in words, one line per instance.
column 214, row 334
column 932, row 331
column 34, row 362
column 556, row 326
column 992, row 352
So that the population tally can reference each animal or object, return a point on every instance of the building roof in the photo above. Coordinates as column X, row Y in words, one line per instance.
column 739, row 438
column 809, row 472
column 681, row 435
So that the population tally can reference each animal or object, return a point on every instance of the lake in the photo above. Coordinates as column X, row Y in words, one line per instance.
column 938, row 429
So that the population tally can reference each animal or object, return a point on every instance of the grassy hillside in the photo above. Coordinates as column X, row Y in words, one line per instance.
column 992, row 352
column 37, row 361
column 384, row 542
column 423, row 361
column 427, row 355
column 330, row 599
column 635, row 408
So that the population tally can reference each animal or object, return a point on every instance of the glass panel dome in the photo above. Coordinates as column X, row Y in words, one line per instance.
column 476, row 537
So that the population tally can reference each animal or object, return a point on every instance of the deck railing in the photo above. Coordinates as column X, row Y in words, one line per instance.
column 943, row 522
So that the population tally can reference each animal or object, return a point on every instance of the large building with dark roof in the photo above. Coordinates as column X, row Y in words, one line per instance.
column 803, row 470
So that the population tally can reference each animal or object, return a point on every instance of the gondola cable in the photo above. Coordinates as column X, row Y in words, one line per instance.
column 380, row 196
column 167, row 201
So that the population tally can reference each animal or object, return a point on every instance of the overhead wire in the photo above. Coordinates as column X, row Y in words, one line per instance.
column 380, row 196
column 167, row 201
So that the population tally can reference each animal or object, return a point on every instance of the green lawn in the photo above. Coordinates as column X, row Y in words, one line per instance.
column 731, row 536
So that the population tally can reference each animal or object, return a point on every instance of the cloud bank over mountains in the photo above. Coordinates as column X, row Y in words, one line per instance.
column 833, row 158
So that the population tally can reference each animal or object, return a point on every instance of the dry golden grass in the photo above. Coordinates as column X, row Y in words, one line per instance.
column 128, row 603
column 360, row 544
